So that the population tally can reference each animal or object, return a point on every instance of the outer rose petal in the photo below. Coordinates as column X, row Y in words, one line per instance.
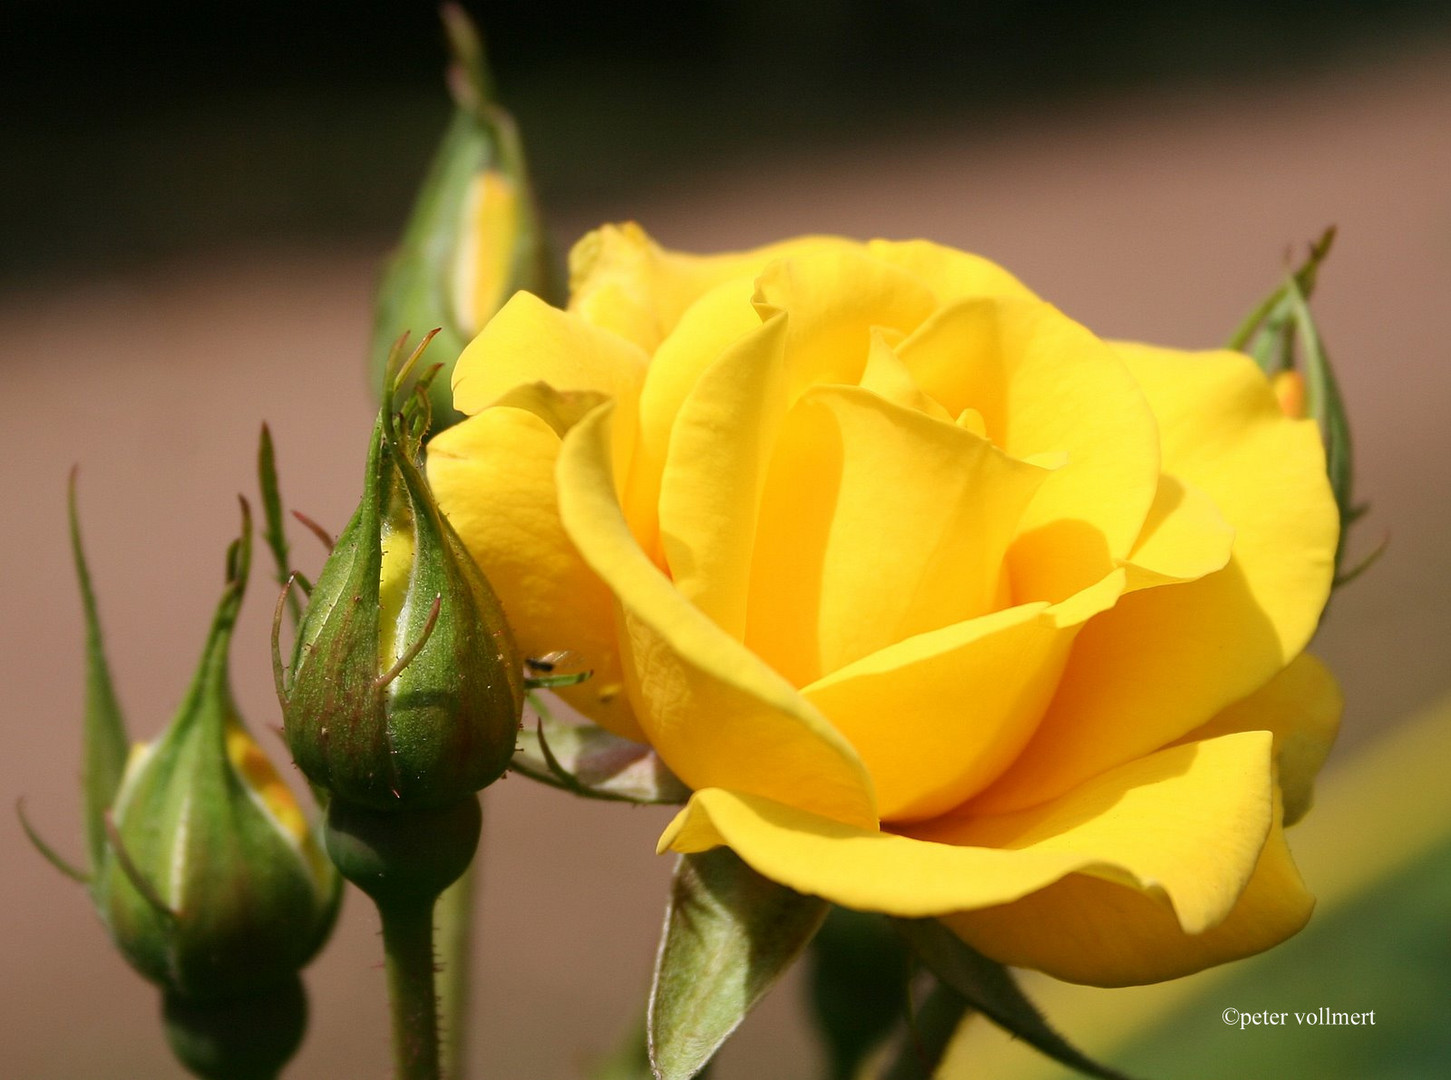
column 1166, row 660
column 1045, row 385
column 528, row 341
column 949, row 273
column 621, row 280
column 1301, row 707
column 834, row 299
column 1184, row 538
column 493, row 476
column 1088, row 930
column 1188, row 823
column 715, row 713
column 1224, row 432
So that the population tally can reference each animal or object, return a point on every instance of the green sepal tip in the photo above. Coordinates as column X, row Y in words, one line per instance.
column 990, row 988
column 104, row 728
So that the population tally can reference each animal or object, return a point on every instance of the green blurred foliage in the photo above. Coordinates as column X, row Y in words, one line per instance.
column 1389, row 950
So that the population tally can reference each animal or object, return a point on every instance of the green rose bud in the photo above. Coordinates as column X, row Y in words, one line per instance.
column 474, row 237
column 213, row 885
column 406, row 688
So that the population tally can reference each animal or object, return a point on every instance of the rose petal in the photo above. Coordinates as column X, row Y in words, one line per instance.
column 877, row 523
column 1044, row 384
column 887, row 377
column 1223, row 432
column 949, row 273
column 1184, row 537
column 623, row 281
column 713, row 710
column 711, row 489
column 833, row 299
column 1301, row 707
column 1166, row 660
column 938, row 716
column 1087, row 930
column 708, row 328
column 1187, row 823
column 493, row 476
column 528, row 341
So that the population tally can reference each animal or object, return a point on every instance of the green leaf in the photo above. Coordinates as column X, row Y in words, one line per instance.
column 729, row 935
column 591, row 762
column 990, row 988
column 858, row 986
column 104, row 730
column 1385, row 949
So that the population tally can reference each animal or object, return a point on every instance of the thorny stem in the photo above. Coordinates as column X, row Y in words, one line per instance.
column 455, row 920
column 408, row 957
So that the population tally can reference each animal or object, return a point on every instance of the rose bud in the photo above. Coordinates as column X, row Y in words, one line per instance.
column 406, row 688
column 213, row 884
column 474, row 236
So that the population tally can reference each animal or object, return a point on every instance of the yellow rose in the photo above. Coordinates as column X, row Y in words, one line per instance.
column 941, row 605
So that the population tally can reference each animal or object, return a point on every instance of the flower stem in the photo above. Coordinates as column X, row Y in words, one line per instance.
column 408, row 953
column 455, row 920
column 404, row 860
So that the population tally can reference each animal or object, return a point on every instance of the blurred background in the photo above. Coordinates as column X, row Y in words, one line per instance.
column 195, row 201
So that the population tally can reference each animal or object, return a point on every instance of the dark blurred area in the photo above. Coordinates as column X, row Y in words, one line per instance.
column 157, row 127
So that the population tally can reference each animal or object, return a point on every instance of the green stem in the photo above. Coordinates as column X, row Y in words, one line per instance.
column 408, row 952
column 455, row 918
column 404, row 860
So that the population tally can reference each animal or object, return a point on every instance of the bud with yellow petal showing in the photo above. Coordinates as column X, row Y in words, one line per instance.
column 200, row 862
column 1282, row 337
column 406, row 687
column 474, row 236
column 214, row 886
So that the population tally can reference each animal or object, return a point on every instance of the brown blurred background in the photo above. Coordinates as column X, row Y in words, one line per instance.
column 195, row 205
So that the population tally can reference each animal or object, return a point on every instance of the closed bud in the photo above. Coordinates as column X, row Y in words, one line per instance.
column 474, row 237
column 213, row 884
column 406, row 687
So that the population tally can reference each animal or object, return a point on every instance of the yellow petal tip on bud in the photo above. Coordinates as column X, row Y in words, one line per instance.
column 1289, row 388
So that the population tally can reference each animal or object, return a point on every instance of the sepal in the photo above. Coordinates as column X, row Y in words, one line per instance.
column 729, row 935
column 989, row 987
column 591, row 762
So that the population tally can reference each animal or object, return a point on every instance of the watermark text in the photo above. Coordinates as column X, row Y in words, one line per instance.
column 1324, row 1016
